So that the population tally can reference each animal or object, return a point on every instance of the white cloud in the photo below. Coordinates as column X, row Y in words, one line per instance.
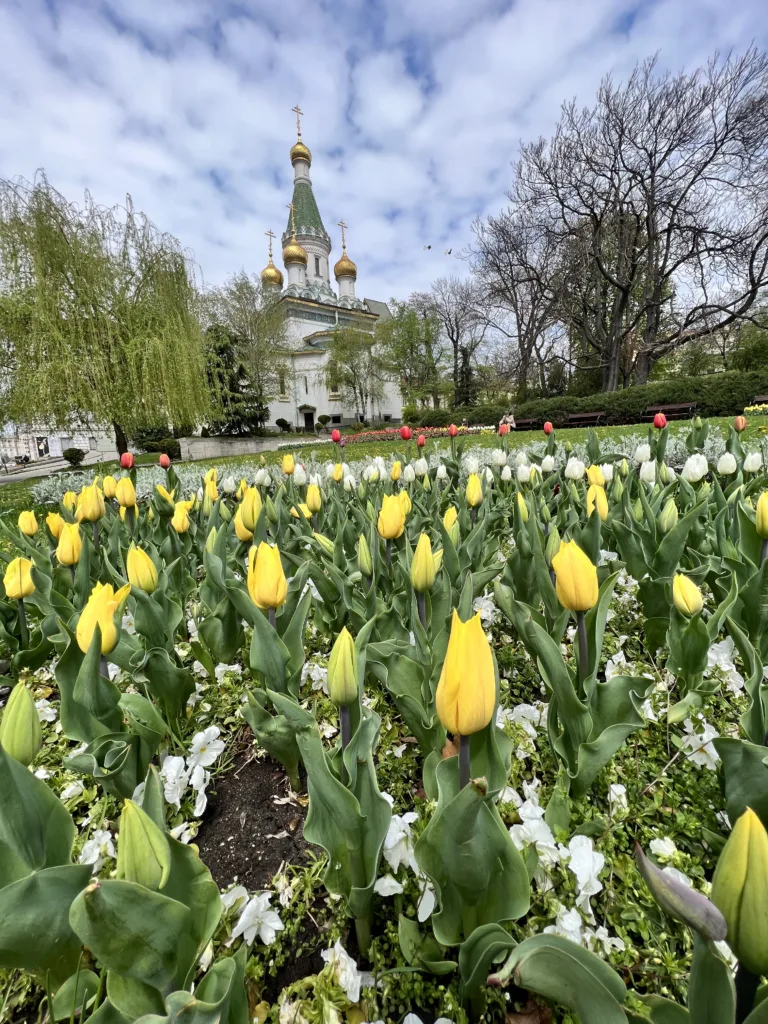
column 413, row 111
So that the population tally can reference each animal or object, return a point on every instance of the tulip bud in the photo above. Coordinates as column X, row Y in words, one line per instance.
column 405, row 500
column 668, row 516
column 127, row 460
column 242, row 533
column 28, row 523
column 681, row 901
column 391, row 521
column 453, row 430
column 70, row 544
column 362, row 490
column 224, row 512
column 575, row 578
column 396, row 471
column 267, row 584
column 342, row 670
column 686, row 595
column 664, row 474
column 761, row 515
column 618, row 489
column 638, row 511
column 523, row 508
column 595, row 476
column 423, row 565
column 466, row 691
column 165, row 500
column 91, row 503
column 426, row 483
column 109, row 486
column 546, row 515
column 568, row 447
column 338, row 472
column 474, row 491
column 17, row 579
column 143, row 853
column 288, row 465
column 451, row 523
column 597, row 499
column 553, row 545
column 437, row 558
column 141, row 570
column 364, row 563
column 740, row 890
column 314, row 498
column 740, row 424
column 125, row 492
column 325, row 543
column 20, row 732
column 272, row 514
column 69, row 501
column 102, row 609
column 55, row 524
column 624, row 468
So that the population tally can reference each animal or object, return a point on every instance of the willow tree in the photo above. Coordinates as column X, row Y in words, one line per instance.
column 97, row 316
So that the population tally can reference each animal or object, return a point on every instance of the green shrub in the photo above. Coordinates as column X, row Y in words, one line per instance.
column 169, row 445
column 74, row 456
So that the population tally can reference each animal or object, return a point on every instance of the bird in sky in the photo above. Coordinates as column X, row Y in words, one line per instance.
column 427, row 247
column 448, row 252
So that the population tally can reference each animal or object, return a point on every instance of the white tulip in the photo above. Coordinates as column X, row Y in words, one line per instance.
column 314, row 478
column 228, row 485
column 409, row 474
column 574, row 469
column 643, row 453
column 421, row 468
column 329, row 470
column 380, row 464
column 523, row 474
column 726, row 464
column 471, row 464
column 648, row 472
column 299, row 475
column 521, row 459
column 548, row 464
column 607, row 470
column 753, row 462
column 506, row 474
column 442, row 472
column 349, row 482
column 199, row 493
column 489, row 474
column 499, row 457
column 695, row 469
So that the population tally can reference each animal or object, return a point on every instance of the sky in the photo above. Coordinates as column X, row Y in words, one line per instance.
column 413, row 109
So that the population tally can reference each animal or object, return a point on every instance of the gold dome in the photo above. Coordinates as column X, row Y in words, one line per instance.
column 271, row 275
column 294, row 253
column 300, row 152
column 345, row 267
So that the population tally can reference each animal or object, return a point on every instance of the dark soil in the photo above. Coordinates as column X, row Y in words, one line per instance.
column 245, row 836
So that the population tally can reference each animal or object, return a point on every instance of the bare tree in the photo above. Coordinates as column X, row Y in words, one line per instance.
column 456, row 306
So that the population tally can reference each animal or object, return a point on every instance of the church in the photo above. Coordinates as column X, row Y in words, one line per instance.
column 314, row 310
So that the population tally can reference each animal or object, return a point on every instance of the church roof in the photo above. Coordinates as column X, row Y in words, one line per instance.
column 381, row 309
column 306, row 213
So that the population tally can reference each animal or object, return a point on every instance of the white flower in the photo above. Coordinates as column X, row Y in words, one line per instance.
column 45, row 712
column 228, row 485
column 330, row 469
column 607, row 470
column 206, row 958
column 568, row 924
column 285, row 889
column 574, row 469
column 42, row 773
column 521, row 458
column 192, row 629
column 487, row 608
column 506, row 474
column 398, row 842
column 206, row 747
column 262, row 478
column 695, row 469
column 643, row 453
column 387, row 886
column 442, row 472
column 499, row 457
column 617, row 798
column 720, row 657
column 182, row 832
column 536, row 832
column 258, row 918
column 299, row 475
column 528, row 716
column 345, row 971
column 648, row 472
column 663, row 848
column 421, row 467
column 753, row 462
column 318, row 674
column 98, row 849
column 471, row 464
column 175, row 779
column 221, row 670
column 398, row 749
column 548, row 464
column 198, row 780
column 726, row 464
column 426, row 902
column 586, row 863
column 616, row 665
column 700, row 744
column 524, row 474
column 199, row 669
column 489, row 474
column 71, row 791
column 601, row 937
column 235, row 897
column 349, row 483
column 409, row 474
column 314, row 478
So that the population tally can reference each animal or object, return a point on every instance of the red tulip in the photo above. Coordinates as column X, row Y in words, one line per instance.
column 335, row 436
column 421, row 440
column 406, row 433
column 453, row 430
column 503, row 429
column 126, row 460
column 659, row 421
column 740, row 423
column 548, row 428
column 164, row 461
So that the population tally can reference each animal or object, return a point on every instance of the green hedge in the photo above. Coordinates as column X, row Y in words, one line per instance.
column 717, row 394
column 167, row 445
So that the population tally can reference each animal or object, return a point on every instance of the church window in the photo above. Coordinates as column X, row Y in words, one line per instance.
column 281, row 383
column 317, row 266
column 306, row 386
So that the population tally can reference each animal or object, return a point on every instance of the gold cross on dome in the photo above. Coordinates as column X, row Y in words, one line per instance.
column 298, row 112
column 343, row 227
column 270, row 235
column 291, row 207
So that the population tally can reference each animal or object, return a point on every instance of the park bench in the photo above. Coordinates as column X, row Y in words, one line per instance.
column 759, row 400
column 526, row 424
column 585, row 419
column 673, row 412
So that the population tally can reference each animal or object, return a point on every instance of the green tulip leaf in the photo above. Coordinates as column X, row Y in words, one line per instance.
column 75, row 995
column 274, row 734
column 711, row 992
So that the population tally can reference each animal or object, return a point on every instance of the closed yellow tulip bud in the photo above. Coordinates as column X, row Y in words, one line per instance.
column 165, row 500
column 109, row 487
column 474, row 492
column 180, row 521
column 104, row 607
column 210, row 540
column 125, row 492
column 405, row 501
column 55, row 524
column 20, row 733
column 426, row 483
column 668, row 517
column 325, row 543
column 466, row 692
column 423, row 565
column 342, row 670
column 17, row 579
column 686, row 595
column 211, row 491
column 250, row 507
column 522, row 507
column 289, row 464
column 241, row 530
column 624, row 468
column 597, row 499
column 761, row 515
column 338, row 472
column 595, row 476
column 391, row 517
column 70, row 544
column 575, row 578
column 242, row 487
column 211, row 476
column 740, row 891
column 271, row 511
column 91, row 504
column 396, row 471
column 143, row 852
column 314, row 498
column 69, row 501
column 207, row 504
column 451, row 523
column 364, row 562
column 28, row 523
column 553, row 545
column 267, row 584
column 142, row 571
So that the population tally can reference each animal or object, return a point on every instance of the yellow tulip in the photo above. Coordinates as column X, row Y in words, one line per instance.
column 437, row 558
column 451, row 523
column 597, row 499
column 211, row 476
column 125, row 492
column 91, row 503
column 103, row 608
column 142, row 571
column 180, row 521
column 55, row 524
column 396, row 471
column 576, row 578
column 405, row 500
column 342, row 669
column 289, row 464
column 595, row 476
column 241, row 530
column 267, row 584
column 250, row 507
column 18, row 579
column 761, row 517
column 686, row 595
column 391, row 521
column 109, row 487
column 740, row 891
column 303, row 508
column 211, row 490
column 166, row 499
column 466, row 692
column 242, row 487
column 423, row 565
column 522, row 507
column 28, row 523
column 314, row 498
column 69, row 501
column 474, row 492
column 70, row 544
column 338, row 472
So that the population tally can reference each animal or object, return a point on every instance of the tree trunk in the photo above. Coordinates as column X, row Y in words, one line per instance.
column 643, row 365
column 120, row 439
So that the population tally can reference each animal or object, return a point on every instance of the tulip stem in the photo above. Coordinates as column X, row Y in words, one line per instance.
column 581, row 631
column 272, row 615
column 104, row 667
column 130, row 514
column 472, row 515
column 389, row 554
column 23, row 630
column 421, row 604
column 746, row 989
column 96, row 535
column 346, row 736
column 463, row 761
column 764, row 551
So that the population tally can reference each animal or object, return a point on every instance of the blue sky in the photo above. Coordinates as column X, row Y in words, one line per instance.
column 414, row 109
